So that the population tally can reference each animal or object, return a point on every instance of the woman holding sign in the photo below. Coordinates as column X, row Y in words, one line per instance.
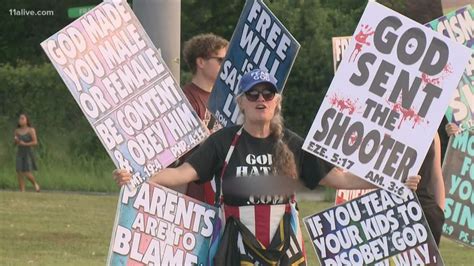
column 25, row 139
column 260, row 148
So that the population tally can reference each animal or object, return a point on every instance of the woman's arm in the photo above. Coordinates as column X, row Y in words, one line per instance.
column 437, row 183
column 201, row 164
column 33, row 141
column 339, row 179
column 15, row 138
column 168, row 177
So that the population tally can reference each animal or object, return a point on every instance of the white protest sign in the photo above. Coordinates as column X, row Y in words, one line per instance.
column 387, row 98
column 124, row 88
column 339, row 46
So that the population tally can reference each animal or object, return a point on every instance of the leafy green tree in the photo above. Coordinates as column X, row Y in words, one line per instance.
column 22, row 34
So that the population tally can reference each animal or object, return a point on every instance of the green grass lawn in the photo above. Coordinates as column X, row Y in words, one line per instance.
column 58, row 162
column 52, row 228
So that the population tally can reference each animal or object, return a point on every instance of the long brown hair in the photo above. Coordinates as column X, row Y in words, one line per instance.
column 202, row 45
column 27, row 120
column 283, row 158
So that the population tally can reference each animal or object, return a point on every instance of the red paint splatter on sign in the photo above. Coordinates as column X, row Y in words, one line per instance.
column 343, row 104
column 407, row 114
column 438, row 81
column 361, row 40
column 448, row 69
column 427, row 79
column 353, row 138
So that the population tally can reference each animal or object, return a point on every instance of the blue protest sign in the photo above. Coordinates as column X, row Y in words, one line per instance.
column 259, row 41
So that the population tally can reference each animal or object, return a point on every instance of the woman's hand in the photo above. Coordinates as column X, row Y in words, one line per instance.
column 451, row 129
column 168, row 177
column 412, row 182
column 121, row 176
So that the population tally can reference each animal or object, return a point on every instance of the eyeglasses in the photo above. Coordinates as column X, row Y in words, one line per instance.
column 218, row 59
column 253, row 95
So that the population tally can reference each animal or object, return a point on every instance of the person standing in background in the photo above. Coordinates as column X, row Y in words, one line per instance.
column 25, row 138
column 203, row 54
column 430, row 190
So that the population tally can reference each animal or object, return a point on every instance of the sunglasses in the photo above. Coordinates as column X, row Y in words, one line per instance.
column 218, row 59
column 253, row 95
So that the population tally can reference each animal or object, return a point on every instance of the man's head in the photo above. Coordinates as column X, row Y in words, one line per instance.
column 204, row 53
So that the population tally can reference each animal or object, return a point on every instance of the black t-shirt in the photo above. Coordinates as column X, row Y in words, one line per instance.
column 424, row 193
column 252, row 157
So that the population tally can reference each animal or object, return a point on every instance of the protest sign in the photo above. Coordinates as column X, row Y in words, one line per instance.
column 259, row 41
column 339, row 45
column 159, row 226
column 458, row 169
column 372, row 228
column 459, row 26
column 387, row 98
column 458, row 172
column 125, row 90
column 345, row 195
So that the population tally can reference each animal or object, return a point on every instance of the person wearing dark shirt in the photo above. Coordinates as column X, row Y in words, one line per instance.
column 430, row 190
column 203, row 54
